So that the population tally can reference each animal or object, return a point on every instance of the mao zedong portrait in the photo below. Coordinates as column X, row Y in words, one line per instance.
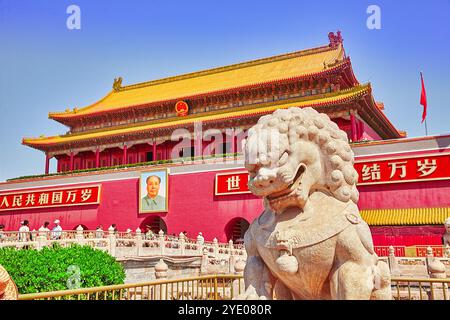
column 152, row 200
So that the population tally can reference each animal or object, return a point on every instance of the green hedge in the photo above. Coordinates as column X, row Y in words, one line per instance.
column 48, row 269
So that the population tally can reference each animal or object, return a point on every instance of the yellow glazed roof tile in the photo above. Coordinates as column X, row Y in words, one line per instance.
column 325, row 99
column 280, row 67
column 407, row 216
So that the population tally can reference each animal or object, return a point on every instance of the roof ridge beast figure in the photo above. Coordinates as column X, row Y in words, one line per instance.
column 310, row 242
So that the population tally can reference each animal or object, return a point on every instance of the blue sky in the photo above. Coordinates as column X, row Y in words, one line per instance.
column 45, row 67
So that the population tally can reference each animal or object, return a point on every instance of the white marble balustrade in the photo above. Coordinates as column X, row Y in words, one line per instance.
column 126, row 244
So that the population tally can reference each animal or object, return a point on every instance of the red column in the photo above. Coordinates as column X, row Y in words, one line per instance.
column 354, row 130
column 47, row 163
column 198, row 149
column 154, row 150
column 124, row 161
column 197, row 136
column 71, row 161
column 233, row 141
column 97, row 158
column 360, row 129
column 162, row 148
column 239, row 139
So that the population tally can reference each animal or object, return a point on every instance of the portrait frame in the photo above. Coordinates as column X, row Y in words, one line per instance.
column 163, row 174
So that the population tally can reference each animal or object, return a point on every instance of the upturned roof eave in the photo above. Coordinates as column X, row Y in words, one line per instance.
column 67, row 118
column 327, row 100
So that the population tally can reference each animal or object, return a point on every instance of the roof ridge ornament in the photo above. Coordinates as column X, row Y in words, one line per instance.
column 117, row 84
column 335, row 39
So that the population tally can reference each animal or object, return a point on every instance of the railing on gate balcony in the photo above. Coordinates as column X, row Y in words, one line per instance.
column 217, row 287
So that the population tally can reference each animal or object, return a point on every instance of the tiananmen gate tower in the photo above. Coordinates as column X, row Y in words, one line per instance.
column 111, row 145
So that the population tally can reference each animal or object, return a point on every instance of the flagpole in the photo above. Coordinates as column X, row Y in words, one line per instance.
column 426, row 129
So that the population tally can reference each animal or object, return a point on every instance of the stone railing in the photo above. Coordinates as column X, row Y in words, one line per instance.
column 413, row 251
column 126, row 244
column 430, row 265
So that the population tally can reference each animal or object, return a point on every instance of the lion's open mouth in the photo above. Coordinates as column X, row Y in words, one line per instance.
column 291, row 188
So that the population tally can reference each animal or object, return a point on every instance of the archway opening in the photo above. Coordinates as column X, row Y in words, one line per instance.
column 82, row 225
column 235, row 229
column 154, row 223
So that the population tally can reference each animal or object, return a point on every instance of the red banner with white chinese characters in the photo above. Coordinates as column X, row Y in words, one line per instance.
column 46, row 198
column 383, row 171
column 231, row 183
column 397, row 170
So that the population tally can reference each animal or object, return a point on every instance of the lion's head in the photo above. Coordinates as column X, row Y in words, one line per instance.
column 294, row 152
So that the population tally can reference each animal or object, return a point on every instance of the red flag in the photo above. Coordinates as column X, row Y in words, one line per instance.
column 423, row 99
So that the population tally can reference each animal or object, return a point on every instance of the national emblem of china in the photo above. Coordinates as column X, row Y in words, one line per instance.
column 182, row 108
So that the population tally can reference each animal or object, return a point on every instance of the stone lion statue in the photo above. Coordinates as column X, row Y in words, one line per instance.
column 310, row 242
column 8, row 289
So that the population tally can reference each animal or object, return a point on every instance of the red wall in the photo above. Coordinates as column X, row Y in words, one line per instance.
column 407, row 235
column 405, row 195
column 193, row 208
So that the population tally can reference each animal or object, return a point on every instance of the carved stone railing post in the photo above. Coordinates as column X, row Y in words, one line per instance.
column 230, row 247
column 392, row 261
column 430, row 252
column 231, row 257
column 138, row 239
column 161, row 269
column 162, row 242
column 79, row 237
column 112, row 241
column 216, row 248
column 428, row 258
column 182, row 243
column 33, row 235
column 436, row 269
column 200, row 242
column 232, row 263
column 99, row 235
column 41, row 241
column 204, row 262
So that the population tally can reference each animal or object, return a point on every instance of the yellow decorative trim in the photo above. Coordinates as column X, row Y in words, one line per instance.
column 328, row 98
column 234, row 66
column 407, row 216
